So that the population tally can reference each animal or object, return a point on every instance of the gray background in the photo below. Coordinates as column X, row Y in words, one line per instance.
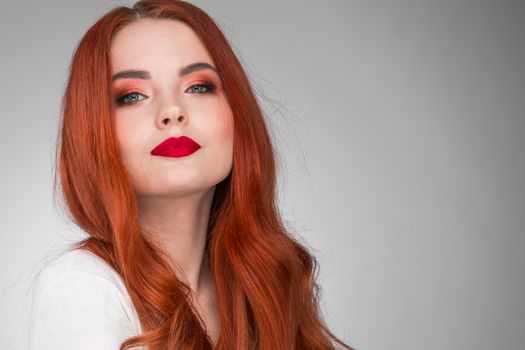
column 400, row 130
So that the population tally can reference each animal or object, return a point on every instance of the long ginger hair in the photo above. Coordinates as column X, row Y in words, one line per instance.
column 264, row 278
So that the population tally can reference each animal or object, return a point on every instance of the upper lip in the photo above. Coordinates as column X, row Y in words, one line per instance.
column 174, row 142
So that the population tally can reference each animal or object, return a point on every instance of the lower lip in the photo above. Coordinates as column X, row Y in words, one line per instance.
column 176, row 152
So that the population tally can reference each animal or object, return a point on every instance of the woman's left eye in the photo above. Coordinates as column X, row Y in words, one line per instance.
column 201, row 88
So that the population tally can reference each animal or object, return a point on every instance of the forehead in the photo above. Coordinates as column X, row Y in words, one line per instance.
column 156, row 43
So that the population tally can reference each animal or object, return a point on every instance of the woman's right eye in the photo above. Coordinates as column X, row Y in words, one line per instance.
column 130, row 98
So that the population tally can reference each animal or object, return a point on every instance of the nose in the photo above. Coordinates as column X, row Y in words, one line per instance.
column 170, row 116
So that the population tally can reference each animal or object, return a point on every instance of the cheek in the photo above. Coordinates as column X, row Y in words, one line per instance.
column 214, row 121
column 129, row 136
column 224, row 137
column 226, row 129
column 224, row 124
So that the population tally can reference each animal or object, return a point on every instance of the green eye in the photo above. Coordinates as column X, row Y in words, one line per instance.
column 202, row 88
column 130, row 98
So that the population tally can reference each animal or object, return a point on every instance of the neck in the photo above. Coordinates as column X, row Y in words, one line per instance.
column 178, row 225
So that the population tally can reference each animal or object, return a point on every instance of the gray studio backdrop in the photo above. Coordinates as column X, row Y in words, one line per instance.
column 400, row 127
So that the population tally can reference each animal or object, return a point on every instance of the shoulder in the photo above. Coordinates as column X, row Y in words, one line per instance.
column 80, row 271
column 78, row 262
column 79, row 295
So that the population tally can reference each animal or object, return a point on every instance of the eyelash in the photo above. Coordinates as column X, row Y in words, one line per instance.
column 210, row 89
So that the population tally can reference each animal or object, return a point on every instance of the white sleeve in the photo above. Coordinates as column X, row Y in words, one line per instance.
column 78, row 310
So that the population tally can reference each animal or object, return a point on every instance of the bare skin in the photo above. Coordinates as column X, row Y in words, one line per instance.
column 174, row 194
column 208, row 309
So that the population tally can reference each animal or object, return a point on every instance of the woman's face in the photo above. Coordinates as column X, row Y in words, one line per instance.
column 160, row 103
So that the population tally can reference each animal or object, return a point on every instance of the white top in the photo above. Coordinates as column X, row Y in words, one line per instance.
column 80, row 302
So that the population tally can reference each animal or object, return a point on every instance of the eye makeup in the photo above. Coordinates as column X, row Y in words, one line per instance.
column 196, row 86
column 203, row 77
column 126, row 90
column 198, row 83
column 121, row 100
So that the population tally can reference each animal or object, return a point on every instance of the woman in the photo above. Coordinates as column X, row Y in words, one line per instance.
column 165, row 161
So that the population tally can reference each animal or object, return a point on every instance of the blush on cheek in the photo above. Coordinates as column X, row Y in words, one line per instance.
column 221, row 127
column 128, row 134
column 228, row 123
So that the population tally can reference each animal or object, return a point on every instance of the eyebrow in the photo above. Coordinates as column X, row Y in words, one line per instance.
column 142, row 74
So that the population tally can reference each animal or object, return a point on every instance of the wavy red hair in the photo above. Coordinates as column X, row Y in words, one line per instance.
column 264, row 278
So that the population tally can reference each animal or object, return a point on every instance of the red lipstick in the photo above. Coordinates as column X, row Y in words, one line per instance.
column 176, row 147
